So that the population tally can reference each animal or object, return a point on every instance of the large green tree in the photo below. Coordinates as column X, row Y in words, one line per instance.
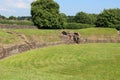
column 71, row 19
column 85, row 18
column 109, row 18
column 45, row 14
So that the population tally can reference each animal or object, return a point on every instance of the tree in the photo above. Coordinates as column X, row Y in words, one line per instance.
column 24, row 18
column 63, row 19
column 82, row 17
column 70, row 19
column 93, row 18
column 45, row 14
column 2, row 17
column 12, row 18
column 109, row 18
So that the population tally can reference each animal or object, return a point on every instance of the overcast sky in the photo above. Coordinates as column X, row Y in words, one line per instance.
column 69, row 7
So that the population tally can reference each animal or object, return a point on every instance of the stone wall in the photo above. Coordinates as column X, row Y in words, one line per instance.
column 100, row 40
column 15, row 49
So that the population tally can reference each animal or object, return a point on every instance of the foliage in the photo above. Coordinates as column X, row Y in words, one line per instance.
column 12, row 18
column 71, row 19
column 16, row 22
column 109, row 18
column 117, row 27
column 45, row 14
column 64, row 62
column 93, row 18
column 2, row 17
column 62, row 19
column 85, row 18
column 77, row 26
column 24, row 18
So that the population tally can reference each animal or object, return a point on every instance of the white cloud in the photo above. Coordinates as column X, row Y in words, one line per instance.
column 15, row 7
column 20, row 5
column 6, row 10
column 23, row 4
column 3, row 9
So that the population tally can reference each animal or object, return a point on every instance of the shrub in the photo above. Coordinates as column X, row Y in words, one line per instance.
column 77, row 26
column 109, row 18
column 17, row 22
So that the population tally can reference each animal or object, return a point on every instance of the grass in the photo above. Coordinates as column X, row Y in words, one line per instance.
column 40, row 35
column 53, row 35
column 64, row 62
column 6, row 38
column 96, row 31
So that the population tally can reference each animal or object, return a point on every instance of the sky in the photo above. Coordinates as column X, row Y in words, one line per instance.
column 69, row 7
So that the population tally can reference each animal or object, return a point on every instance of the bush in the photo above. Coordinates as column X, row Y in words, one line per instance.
column 109, row 18
column 17, row 22
column 118, row 27
column 77, row 26
column 115, row 26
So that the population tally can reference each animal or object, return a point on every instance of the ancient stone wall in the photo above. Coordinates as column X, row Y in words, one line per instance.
column 15, row 49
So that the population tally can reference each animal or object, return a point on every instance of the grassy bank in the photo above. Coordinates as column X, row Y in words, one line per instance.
column 6, row 38
column 53, row 35
column 65, row 62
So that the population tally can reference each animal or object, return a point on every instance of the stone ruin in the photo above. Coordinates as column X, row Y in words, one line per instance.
column 15, row 49
column 72, row 37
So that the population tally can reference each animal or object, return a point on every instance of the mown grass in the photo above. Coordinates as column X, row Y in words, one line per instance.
column 97, row 31
column 64, row 62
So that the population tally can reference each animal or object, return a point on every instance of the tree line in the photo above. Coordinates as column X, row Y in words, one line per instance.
column 45, row 14
column 2, row 17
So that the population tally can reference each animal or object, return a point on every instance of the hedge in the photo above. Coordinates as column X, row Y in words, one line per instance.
column 17, row 22
column 77, row 26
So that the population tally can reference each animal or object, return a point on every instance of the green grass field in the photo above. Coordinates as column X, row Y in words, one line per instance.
column 64, row 62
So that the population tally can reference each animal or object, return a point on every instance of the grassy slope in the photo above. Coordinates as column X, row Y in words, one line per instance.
column 65, row 62
column 97, row 31
column 6, row 38
column 40, row 35
column 52, row 35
